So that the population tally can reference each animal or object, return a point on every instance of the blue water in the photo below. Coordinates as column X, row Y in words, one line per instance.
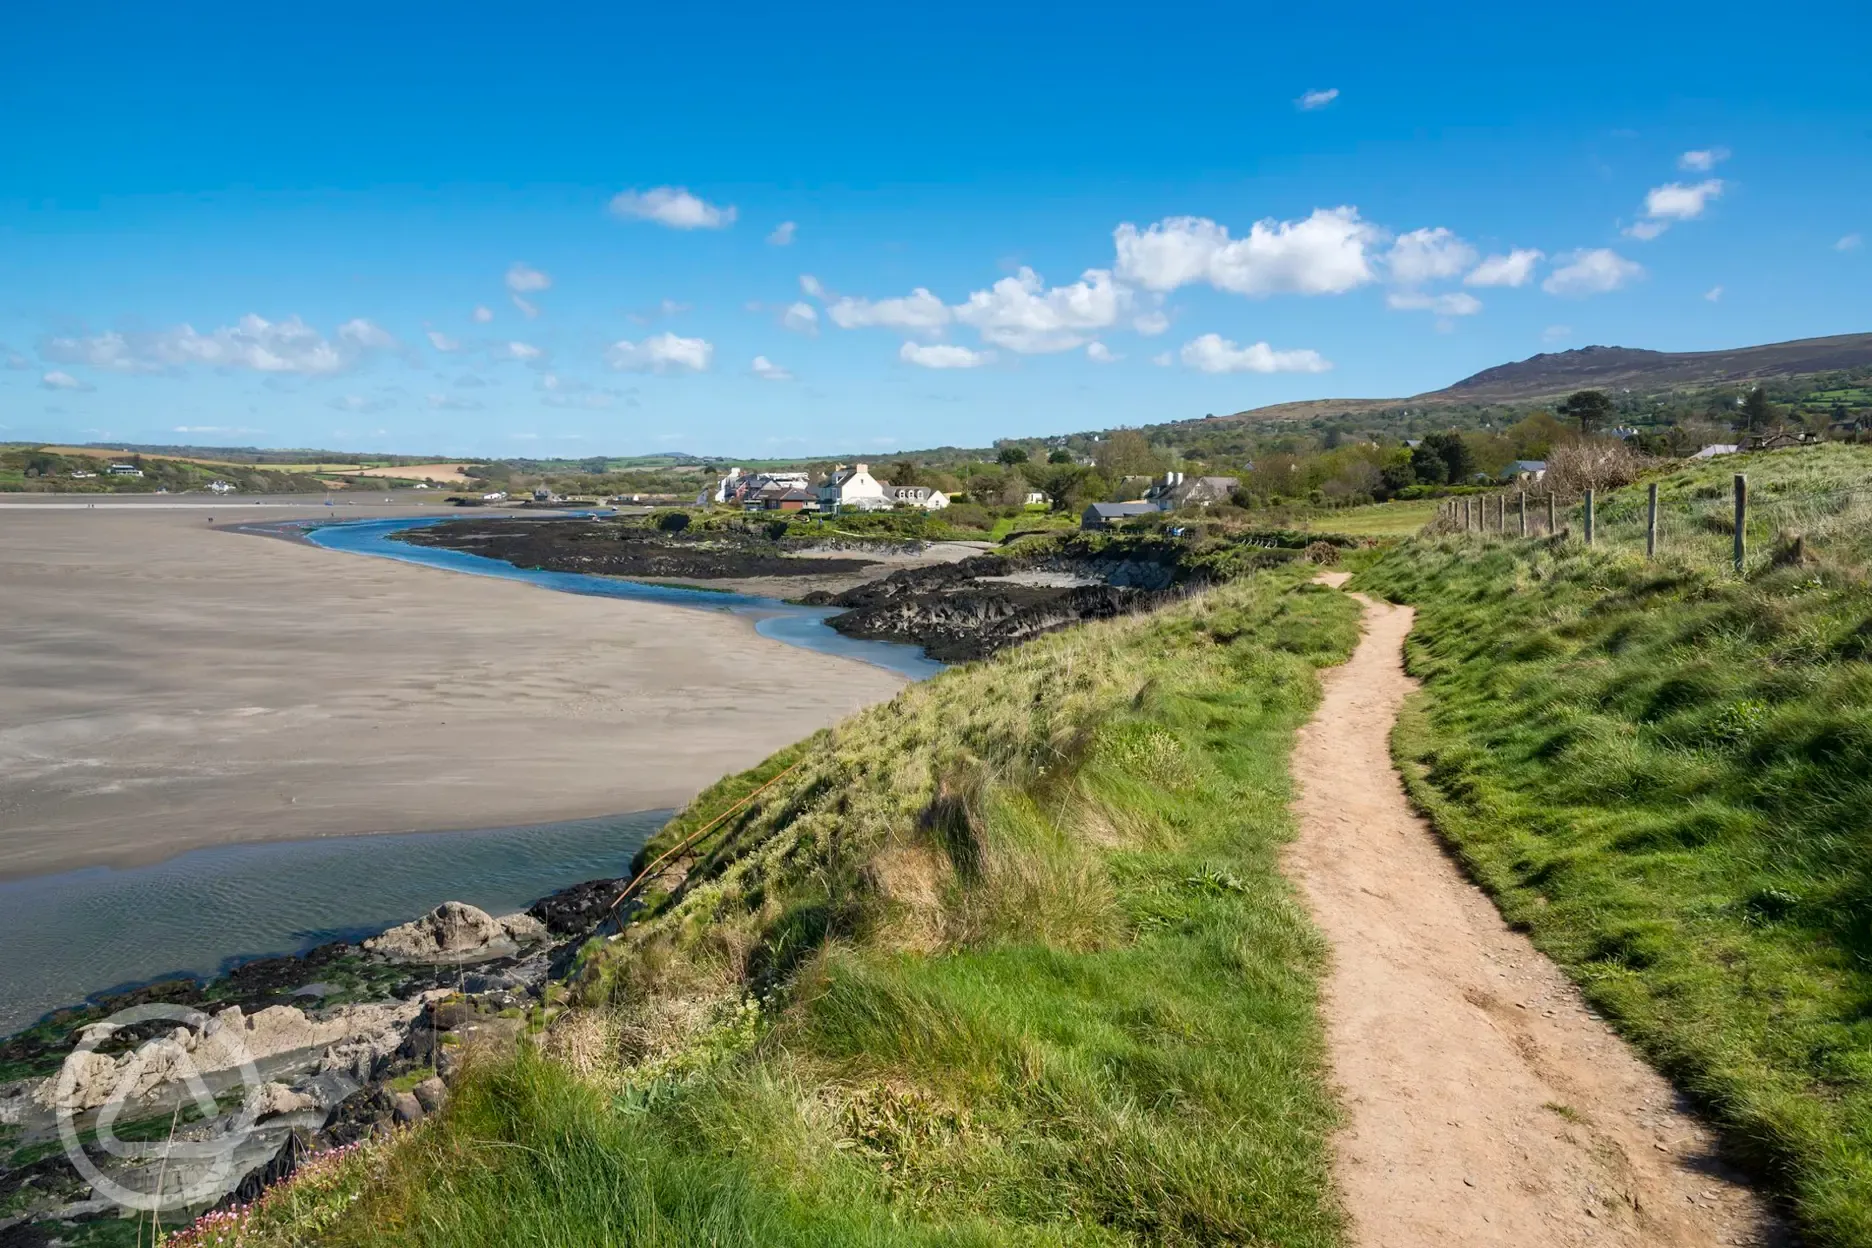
column 65, row 936
column 804, row 627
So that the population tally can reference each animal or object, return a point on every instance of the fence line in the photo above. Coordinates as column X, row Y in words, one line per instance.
column 1657, row 521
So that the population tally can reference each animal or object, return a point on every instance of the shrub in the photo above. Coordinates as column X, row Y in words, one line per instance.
column 671, row 520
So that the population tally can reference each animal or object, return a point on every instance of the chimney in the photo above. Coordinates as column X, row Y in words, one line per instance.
column 861, row 467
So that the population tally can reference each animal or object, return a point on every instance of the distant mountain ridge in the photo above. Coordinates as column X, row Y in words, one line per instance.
column 1559, row 373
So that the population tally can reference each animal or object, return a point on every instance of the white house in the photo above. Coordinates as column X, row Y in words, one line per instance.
column 220, row 487
column 917, row 496
column 1715, row 449
column 853, row 486
column 125, row 470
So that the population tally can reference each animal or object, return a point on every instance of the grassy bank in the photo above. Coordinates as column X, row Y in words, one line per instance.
column 1664, row 773
column 1007, row 960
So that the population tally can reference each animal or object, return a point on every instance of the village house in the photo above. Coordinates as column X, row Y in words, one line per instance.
column 1716, row 448
column 125, row 470
column 852, row 486
column 740, row 487
column 1175, row 490
column 1104, row 515
column 1525, row 470
column 917, row 496
column 220, row 487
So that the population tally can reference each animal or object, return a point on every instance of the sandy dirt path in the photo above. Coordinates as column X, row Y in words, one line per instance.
column 1485, row 1103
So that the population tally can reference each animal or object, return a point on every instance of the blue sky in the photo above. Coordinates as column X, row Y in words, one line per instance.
column 472, row 229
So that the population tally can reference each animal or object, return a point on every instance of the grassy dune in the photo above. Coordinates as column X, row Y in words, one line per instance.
column 1007, row 960
column 1665, row 773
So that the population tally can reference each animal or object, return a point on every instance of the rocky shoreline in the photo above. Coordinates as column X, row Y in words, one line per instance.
column 279, row 1059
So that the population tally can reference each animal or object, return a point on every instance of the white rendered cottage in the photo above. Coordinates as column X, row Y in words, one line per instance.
column 852, row 486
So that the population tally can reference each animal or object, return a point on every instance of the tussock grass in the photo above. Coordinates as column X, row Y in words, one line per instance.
column 1007, row 960
column 1665, row 774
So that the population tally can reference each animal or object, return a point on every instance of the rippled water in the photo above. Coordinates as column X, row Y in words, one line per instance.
column 805, row 627
column 87, row 931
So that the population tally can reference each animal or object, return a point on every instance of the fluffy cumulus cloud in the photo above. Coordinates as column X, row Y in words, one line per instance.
column 482, row 314
column 524, row 279
column 672, row 206
column 1151, row 323
column 1593, row 271
column 919, row 311
column 1851, row 242
column 782, row 235
column 1317, row 99
column 1674, row 201
column 1326, row 253
column 1514, row 269
column 661, row 353
column 1213, row 353
column 1456, row 303
column 1714, row 294
column 943, row 355
column 56, row 380
column 279, row 347
column 442, row 342
column 800, row 317
column 524, row 352
column 767, row 370
column 1703, row 161
column 1428, row 255
column 810, row 285
column 1022, row 314
column 1099, row 353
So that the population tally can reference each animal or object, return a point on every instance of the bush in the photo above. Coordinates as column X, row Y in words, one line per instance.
column 671, row 520
column 1580, row 464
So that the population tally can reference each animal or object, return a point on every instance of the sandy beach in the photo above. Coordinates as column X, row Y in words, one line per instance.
column 169, row 685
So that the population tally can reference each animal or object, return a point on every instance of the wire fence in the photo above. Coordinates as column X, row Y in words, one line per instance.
column 1719, row 525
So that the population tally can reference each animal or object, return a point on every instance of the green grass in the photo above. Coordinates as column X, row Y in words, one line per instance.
column 1396, row 519
column 1664, row 773
column 1008, row 960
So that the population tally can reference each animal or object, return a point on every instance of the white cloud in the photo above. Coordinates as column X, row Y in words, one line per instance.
column 660, row 353
column 800, row 317
column 56, row 380
column 942, row 355
column 1713, row 294
column 767, row 370
column 1852, row 242
column 277, row 347
column 1645, row 231
column 1151, row 323
column 527, row 308
column 1317, row 99
column 1325, row 253
column 1428, row 255
column 1556, row 333
column 525, row 352
column 811, row 285
column 782, row 235
column 17, row 362
column 1163, row 359
column 454, row 403
column 919, row 311
column 1676, row 202
column 1213, row 353
column 442, row 342
column 1703, row 161
column 672, row 206
column 1099, row 353
column 1592, row 271
column 482, row 314
column 1021, row 314
column 523, row 279
column 1457, row 303
column 1513, row 269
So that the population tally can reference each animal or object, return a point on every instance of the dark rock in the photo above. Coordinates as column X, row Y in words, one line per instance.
column 617, row 549
column 406, row 1107
column 577, row 910
column 430, row 1094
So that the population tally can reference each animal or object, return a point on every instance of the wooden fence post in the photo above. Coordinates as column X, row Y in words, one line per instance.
column 1501, row 513
column 1589, row 516
column 1741, row 520
column 1521, row 511
column 1650, row 530
column 1550, row 514
column 1465, row 515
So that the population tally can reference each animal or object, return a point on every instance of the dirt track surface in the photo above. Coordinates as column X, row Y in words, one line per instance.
column 1485, row 1104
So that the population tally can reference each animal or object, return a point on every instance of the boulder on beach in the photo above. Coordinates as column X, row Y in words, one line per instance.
column 457, row 932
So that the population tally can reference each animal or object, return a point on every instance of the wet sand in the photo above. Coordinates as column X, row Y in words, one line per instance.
column 169, row 685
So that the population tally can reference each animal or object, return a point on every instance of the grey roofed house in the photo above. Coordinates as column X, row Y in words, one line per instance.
column 1532, row 468
column 1101, row 515
column 1715, row 449
column 1177, row 490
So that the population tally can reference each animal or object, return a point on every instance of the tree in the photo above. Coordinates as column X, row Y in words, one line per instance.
column 1588, row 408
column 1454, row 454
column 905, row 472
column 1059, row 482
column 1011, row 455
column 1757, row 412
column 1061, row 456
column 1427, row 465
column 1397, row 474
column 1127, row 454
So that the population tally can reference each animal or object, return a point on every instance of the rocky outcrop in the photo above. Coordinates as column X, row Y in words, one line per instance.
column 455, row 932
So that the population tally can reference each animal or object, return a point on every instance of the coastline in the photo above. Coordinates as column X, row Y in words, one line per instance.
column 180, row 688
